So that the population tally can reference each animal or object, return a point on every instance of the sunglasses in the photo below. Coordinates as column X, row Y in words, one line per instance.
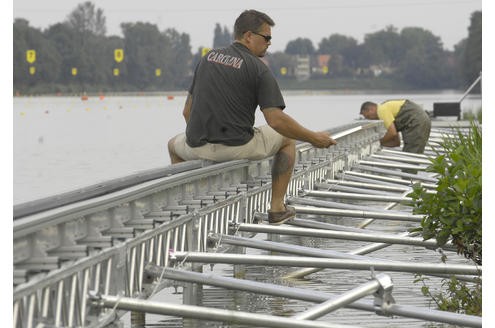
column 266, row 37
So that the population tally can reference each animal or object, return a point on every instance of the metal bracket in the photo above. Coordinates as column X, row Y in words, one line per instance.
column 93, row 300
column 383, row 296
column 233, row 227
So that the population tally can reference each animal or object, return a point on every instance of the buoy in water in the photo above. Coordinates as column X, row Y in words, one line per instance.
column 84, row 97
column 170, row 97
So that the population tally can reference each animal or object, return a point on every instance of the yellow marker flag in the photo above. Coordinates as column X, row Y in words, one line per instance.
column 325, row 69
column 116, row 72
column 158, row 72
column 32, row 70
column 31, row 56
column 118, row 55
column 283, row 70
column 74, row 71
column 204, row 51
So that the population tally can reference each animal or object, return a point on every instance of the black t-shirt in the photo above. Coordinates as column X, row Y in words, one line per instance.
column 228, row 85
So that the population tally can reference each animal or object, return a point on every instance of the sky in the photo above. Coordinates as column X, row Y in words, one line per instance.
column 313, row 19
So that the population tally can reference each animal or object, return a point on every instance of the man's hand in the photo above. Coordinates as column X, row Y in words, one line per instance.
column 323, row 140
column 391, row 137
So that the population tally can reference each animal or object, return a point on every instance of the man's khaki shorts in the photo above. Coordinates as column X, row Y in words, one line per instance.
column 265, row 142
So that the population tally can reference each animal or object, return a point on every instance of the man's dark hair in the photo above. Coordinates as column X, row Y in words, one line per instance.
column 250, row 20
column 366, row 105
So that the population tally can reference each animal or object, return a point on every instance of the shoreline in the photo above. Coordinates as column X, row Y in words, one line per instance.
column 291, row 92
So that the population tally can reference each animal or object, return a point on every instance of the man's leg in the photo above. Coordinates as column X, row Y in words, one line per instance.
column 174, row 158
column 282, row 167
column 416, row 137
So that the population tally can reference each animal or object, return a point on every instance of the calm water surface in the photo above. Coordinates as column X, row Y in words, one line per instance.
column 64, row 143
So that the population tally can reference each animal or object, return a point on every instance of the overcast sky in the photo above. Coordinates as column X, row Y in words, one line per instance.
column 313, row 19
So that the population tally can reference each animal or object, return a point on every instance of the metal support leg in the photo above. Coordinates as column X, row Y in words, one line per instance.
column 212, row 314
column 318, row 297
column 373, row 286
column 275, row 260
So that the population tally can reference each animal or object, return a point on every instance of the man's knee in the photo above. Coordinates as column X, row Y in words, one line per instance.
column 171, row 146
column 174, row 158
column 285, row 157
column 288, row 143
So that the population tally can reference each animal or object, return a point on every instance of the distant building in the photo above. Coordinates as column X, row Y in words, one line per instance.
column 303, row 67
column 321, row 64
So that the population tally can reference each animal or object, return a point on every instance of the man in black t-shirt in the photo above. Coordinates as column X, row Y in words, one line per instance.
column 228, row 85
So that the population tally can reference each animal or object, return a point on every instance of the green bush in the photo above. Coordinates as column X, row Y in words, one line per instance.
column 454, row 211
column 459, row 297
column 469, row 115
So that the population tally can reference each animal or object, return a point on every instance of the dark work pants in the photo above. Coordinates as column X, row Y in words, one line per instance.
column 415, row 125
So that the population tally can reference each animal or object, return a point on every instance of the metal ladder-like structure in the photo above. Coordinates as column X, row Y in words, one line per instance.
column 114, row 248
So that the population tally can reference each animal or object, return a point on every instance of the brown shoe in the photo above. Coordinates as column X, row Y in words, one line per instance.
column 277, row 218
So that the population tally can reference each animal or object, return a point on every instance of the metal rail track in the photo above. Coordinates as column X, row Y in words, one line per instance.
column 101, row 241
column 77, row 224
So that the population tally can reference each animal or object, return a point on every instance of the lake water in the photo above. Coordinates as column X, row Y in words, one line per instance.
column 65, row 143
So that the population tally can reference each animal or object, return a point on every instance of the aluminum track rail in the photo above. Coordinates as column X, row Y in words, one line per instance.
column 101, row 241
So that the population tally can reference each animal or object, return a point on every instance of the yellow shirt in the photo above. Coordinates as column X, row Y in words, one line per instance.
column 388, row 110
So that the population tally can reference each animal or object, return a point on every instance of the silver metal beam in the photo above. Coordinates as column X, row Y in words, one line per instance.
column 403, row 153
column 307, row 251
column 369, row 249
column 346, row 235
column 334, row 187
column 478, row 79
column 402, row 159
column 361, row 177
column 313, row 223
column 358, row 213
column 74, row 211
column 353, row 196
column 325, row 263
column 305, row 146
column 207, row 313
column 371, row 186
column 410, row 176
column 333, row 205
column 346, row 298
column 392, row 181
column 393, row 165
column 283, row 248
column 387, row 208
column 312, row 296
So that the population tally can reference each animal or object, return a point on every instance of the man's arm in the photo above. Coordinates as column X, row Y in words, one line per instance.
column 187, row 107
column 290, row 128
column 391, row 137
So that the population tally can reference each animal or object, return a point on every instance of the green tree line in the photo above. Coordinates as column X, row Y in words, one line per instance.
column 76, row 56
